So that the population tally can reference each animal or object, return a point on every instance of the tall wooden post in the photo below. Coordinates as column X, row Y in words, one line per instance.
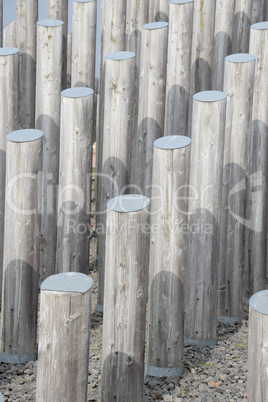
column 9, row 35
column 178, row 67
column 69, row 60
column 21, row 246
column 206, row 162
column 167, row 256
column 223, row 37
column 242, row 22
column 9, row 84
column 151, row 113
column 75, row 180
column 258, row 11
column 48, row 89
column 257, row 347
column 63, row 352
column 125, row 299
column 84, row 43
column 1, row 23
column 158, row 10
column 238, row 85
column 117, row 133
column 58, row 10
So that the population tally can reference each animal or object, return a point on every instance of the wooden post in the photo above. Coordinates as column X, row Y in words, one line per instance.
column 9, row 35
column 258, row 11
column 63, row 352
column 1, row 23
column 158, row 10
column 58, row 10
column 48, row 89
column 256, row 232
column 238, row 85
column 117, row 133
column 84, row 43
column 222, row 43
column 206, row 162
column 178, row 67
column 167, row 256
column 242, row 22
column 151, row 114
column 125, row 299
column 26, row 19
column 21, row 246
column 257, row 389
column 9, row 84
column 75, row 180
column 69, row 60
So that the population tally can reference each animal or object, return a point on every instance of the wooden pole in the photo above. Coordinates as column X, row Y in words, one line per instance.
column 9, row 84
column 178, row 67
column 223, row 36
column 242, row 22
column 167, row 256
column 238, row 85
column 1, row 23
column 26, row 19
column 257, row 388
column 206, row 162
column 9, row 35
column 75, row 180
column 125, row 299
column 69, row 60
column 258, row 11
column 63, row 352
column 117, row 133
column 84, row 43
column 151, row 113
column 21, row 246
column 58, row 10
column 158, row 10
column 48, row 89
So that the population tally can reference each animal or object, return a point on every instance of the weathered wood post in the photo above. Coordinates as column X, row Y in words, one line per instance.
column 258, row 11
column 257, row 389
column 117, row 133
column 167, row 256
column 238, row 85
column 63, row 351
column 21, row 246
column 69, row 60
column 1, row 23
column 26, row 19
column 84, row 43
column 158, row 10
column 126, row 282
column 222, row 43
column 151, row 112
column 206, row 162
column 58, row 10
column 256, row 232
column 9, row 35
column 48, row 89
column 75, row 180
column 9, row 84
column 178, row 67
column 242, row 22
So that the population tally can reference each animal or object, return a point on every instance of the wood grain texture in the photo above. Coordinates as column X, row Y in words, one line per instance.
column 158, row 10
column 242, row 23
column 259, row 8
column 1, row 23
column 9, row 35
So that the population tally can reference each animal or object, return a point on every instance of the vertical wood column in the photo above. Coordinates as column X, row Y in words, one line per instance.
column 21, row 246
column 158, row 10
column 242, row 22
column 9, row 35
column 258, row 11
column 1, row 23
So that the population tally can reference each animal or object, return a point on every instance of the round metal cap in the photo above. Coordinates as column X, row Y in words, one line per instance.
column 77, row 92
column 128, row 203
column 259, row 302
column 155, row 25
column 120, row 56
column 50, row 23
column 240, row 58
column 209, row 96
column 172, row 142
column 25, row 135
column 68, row 282
column 8, row 51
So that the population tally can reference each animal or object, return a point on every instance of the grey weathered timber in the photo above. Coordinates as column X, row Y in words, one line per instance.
column 9, row 35
column 48, row 89
column 84, row 43
column 58, row 10
column 9, row 85
column 238, row 85
column 1, row 23
column 63, row 352
column 69, row 60
column 178, row 67
column 126, row 281
column 117, row 134
column 164, row 347
column 158, row 10
column 21, row 246
column 257, row 387
column 76, row 131
column 206, row 160
column 256, row 231
column 258, row 11
column 242, row 22
column 151, row 111
column 222, row 43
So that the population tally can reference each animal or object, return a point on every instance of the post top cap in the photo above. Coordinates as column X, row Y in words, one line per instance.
column 259, row 302
column 1, row 397
column 260, row 25
column 77, row 92
column 240, row 57
column 25, row 135
column 181, row 1
column 128, row 203
column 123, row 55
column 172, row 142
column 68, row 282
column 209, row 96
column 50, row 23
column 155, row 25
column 8, row 51
column 84, row 1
